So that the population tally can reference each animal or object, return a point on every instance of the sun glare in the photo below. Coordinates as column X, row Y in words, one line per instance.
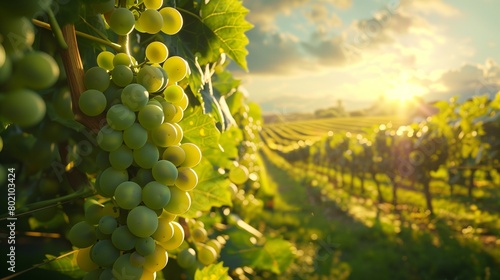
column 405, row 92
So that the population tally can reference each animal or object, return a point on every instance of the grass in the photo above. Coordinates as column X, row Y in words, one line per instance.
column 343, row 235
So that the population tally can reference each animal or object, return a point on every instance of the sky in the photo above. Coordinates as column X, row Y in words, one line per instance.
column 308, row 54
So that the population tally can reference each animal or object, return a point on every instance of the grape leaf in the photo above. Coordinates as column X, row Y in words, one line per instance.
column 274, row 254
column 221, row 25
column 212, row 190
column 212, row 272
column 66, row 265
column 200, row 129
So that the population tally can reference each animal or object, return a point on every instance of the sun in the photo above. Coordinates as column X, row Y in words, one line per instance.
column 405, row 92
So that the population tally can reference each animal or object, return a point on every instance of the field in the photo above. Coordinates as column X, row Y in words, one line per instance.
column 342, row 232
column 289, row 135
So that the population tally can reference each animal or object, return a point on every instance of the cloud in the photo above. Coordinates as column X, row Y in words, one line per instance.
column 466, row 81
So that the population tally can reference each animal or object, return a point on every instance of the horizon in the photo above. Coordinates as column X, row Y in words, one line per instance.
column 305, row 55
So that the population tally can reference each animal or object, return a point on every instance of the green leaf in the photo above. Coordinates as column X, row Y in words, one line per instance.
column 224, row 82
column 212, row 272
column 66, row 265
column 220, row 25
column 200, row 129
column 274, row 254
column 212, row 190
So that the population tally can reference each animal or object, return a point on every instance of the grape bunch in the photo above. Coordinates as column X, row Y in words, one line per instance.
column 205, row 251
column 23, row 71
column 145, row 170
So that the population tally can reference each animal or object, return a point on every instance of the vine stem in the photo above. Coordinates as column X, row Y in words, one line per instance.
column 73, row 66
column 84, row 192
column 38, row 265
column 114, row 46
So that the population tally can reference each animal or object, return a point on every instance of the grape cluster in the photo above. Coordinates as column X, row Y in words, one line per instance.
column 23, row 71
column 207, row 250
column 146, row 172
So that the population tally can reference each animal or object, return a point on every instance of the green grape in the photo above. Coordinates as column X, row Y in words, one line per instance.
column 111, row 210
column 2, row 56
column 128, row 195
column 23, row 107
column 179, row 114
column 214, row 244
column 110, row 179
column 180, row 201
column 174, row 154
column 123, row 59
column 105, row 60
column 153, row 4
column 19, row 31
column 151, row 21
column 106, row 274
column 123, row 239
column 93, row 275
column 113, row 95
column 100, row 235
column 165, row 172
column 144, row 176
column 187, row 179
column 186, row 258
column 121, row 158
column 151, row 78
column 104, row 253
column 176, row 68
column 145, row 246
column 155, row 195
column 193, row 155
column 122, row 75
column 135, row 96
column 184, row 102
column 135, row 136
column 139, row 27
column 238, row 175
column 5, row 70
column 119, row 117
column 176, row 240
column 84, row 261
column 61, row 100
column 147, row 155
column 169, row 111
column 137, row 260
column 94, row 212
column 102, row 160
column 151, row 116
column 165, row 230
column 36, row 70
column 96, row 78
column 124, row 269
column 172, row 20
column 206, row 254
column 199, row 234
column 168, row 216
column 156, row 52
column 82, row 235
column 122, row 21
column 173, row 93
column 109, row 139
column 107, row 224
column 157, row 260
column 142, row 221
column 164, row 135
column 180, row 133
